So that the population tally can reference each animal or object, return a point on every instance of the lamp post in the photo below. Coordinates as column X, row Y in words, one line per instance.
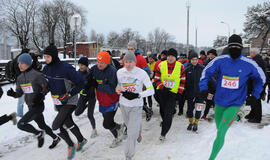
column 228, row 28
column 188, row 7
column 75, row 24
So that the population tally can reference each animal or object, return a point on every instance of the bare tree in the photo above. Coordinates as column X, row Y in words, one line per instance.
column 112, row 39
column 19, row 14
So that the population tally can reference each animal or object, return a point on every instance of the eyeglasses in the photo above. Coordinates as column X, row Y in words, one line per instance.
column 131, row 49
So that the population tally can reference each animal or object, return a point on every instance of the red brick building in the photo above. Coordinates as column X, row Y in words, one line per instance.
column 87, row 49
column 256, row 42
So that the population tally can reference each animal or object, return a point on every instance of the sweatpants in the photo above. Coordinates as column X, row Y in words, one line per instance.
column 84, row 102
column 4, row 119
column 109, row 123
column 224, row 117
column 133, row 119
column 35, row 113
column 167, row 108
column 191, row 107
column 64, row 117
column 208, row 105
column 256, row 110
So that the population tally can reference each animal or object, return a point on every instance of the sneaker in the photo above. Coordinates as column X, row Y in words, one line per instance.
column 94, row 133
column 40, row 138
column 139, row 139
column 81, row 144
column 241, row 114
column 254, row 121
column 195, row 127
column 115, row 142
column 54, row 143
column 189, row 127
column 14, row 118
column 71, row 152
column 162, row 138
column 128, row 158
column 120, row 131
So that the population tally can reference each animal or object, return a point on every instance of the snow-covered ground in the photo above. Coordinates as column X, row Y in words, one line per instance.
column 243, row 141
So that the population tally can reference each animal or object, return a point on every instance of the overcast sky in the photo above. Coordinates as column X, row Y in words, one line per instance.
column 145, row 15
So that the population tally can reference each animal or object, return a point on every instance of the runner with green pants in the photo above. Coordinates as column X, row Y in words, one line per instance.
column 232, row 70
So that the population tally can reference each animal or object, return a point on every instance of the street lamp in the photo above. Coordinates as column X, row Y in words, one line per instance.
column 188, row 7
column 228, row 28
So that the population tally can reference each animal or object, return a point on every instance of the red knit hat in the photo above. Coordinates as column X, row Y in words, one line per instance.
column 104, row 57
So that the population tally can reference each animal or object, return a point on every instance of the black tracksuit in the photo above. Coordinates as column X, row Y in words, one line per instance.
column 87, row 101
column 256, row 107
column 192, row 90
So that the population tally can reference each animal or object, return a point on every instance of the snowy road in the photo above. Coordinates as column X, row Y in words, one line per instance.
column 243, row 141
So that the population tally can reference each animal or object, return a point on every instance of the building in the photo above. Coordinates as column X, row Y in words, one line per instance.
column 256, row 42
column 87, row 49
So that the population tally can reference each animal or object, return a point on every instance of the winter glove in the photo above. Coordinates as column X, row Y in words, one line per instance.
column 263, row 95
column 11, row 93
column 204, row 94
column 64, row 98
column 38, row 98
column 130, row 95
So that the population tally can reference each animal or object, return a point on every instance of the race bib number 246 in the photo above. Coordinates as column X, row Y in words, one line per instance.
column 230, row 82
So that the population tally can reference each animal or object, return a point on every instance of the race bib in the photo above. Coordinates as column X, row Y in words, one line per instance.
column 130, row 87
column 27, row 88
column 230, row 82
column 210, row 96
column 56, row 100
column 199, row 106
column 169, row 83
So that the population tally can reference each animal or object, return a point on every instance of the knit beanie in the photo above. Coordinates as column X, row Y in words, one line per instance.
column 192, row 55
column 165, row 52
column 52, row 51
column 104, row 57
column 25, row 58
column 130, row 56
column 202, row 52
column 84, row 61
column 132, row 44
column 213, row 51
column 235, row 40
column 172, row 52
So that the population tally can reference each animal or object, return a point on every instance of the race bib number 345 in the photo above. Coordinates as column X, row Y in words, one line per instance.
column 230, row 82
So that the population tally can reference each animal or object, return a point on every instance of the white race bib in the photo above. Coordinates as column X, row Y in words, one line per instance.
column 169, row 83
column 199, row 106
column 27, row 88
column 56, row 100
column 210, row 96
column 230, row 82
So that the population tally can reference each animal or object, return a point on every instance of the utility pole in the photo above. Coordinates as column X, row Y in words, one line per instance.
column 196, row 38
column 188, row 7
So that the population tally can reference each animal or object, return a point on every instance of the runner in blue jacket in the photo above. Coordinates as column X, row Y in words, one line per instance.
column 233, row 71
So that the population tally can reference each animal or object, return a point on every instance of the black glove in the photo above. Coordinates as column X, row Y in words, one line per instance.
column 204, row 94
column 130, row 95
column 11, row 93
column 38, row 98
column 263, row 95
column 64, row 98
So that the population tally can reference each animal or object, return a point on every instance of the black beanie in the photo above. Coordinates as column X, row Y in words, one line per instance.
column 52, row 51
column 84, row 61
column 172, row 52
column 165, row 52
column 213, row 51
column 192, row 55
column 235, row 40
column 202, row 52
